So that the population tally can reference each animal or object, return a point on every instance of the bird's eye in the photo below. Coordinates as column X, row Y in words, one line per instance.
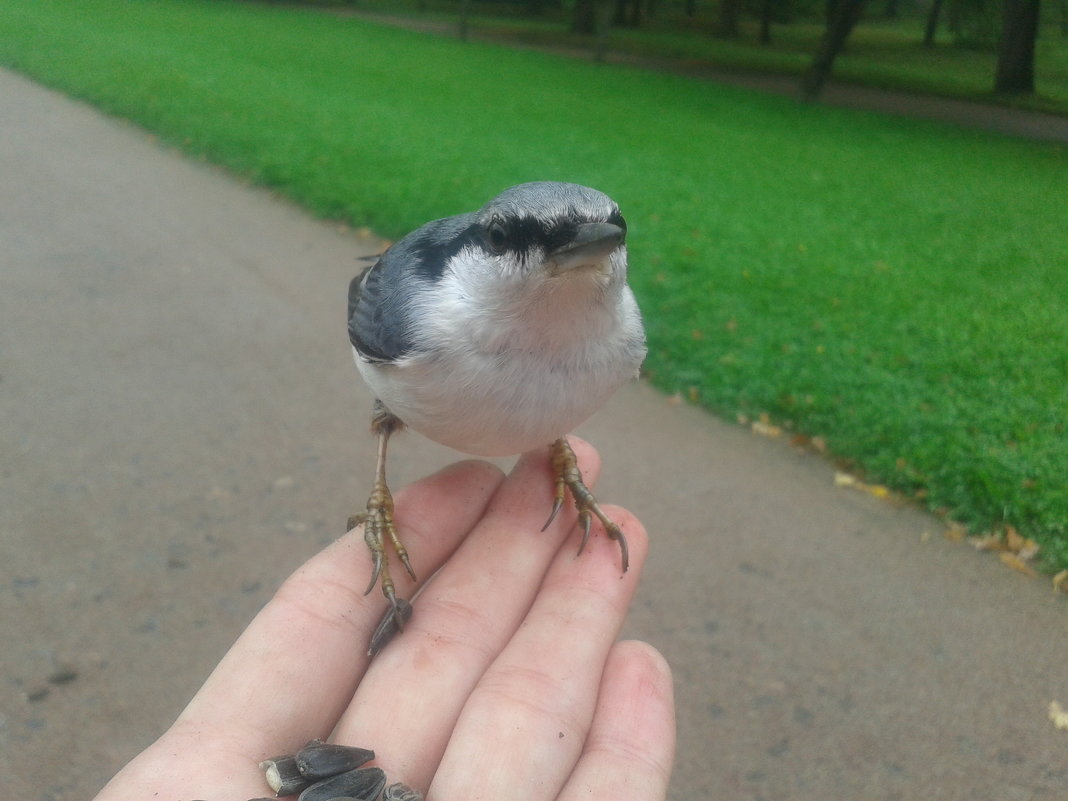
column 497, row 236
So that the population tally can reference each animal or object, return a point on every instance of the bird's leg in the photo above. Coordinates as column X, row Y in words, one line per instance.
column 377, row 518
column 568, row 477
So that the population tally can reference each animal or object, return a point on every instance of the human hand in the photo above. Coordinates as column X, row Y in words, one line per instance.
column 507, row 684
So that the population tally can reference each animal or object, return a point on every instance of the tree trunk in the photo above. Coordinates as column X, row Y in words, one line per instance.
column 840, row 26
column 635, row 13
column 691, row 7
column 584, row 20
column 465, row 12
column 932, row 23
column 765, row 21
column 728, row 18
column 1016, row 51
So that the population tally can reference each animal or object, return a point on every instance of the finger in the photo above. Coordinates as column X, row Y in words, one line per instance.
column 413, row 692
column 295, row 668
column 522, row 730
column 631, row 746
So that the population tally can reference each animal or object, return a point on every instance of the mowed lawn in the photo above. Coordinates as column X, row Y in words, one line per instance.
column 897, row 289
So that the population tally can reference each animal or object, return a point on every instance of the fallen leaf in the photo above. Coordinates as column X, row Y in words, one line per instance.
column 876, row 490
column 844, row 480
column 765, row 429
column 1060, row 581
column 1010, row 559
column 955, row 532
column 988, row 542
column 1058, row 715
column 1028, row 550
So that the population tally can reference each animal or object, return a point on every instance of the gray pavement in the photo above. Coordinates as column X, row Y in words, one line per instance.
column 181, row 425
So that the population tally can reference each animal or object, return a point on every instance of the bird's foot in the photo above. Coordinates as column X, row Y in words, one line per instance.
column 377, row 522
column 568, row 477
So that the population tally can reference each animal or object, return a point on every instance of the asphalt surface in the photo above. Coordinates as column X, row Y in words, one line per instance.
column 181, row 426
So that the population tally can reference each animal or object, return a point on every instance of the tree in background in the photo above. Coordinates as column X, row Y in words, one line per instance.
column 932, row 23
column 1015, row 71
column 842, row 17
column 584, row 17
column 727, row 22
column 1008, row 26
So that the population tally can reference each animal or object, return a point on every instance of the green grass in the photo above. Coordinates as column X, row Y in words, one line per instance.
column 897, row 288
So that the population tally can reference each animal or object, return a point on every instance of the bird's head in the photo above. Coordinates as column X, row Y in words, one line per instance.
column 548, row 230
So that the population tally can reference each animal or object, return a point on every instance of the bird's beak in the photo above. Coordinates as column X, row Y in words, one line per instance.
column 590, row 247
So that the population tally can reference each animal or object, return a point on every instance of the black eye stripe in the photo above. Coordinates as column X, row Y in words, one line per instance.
column 523, row 234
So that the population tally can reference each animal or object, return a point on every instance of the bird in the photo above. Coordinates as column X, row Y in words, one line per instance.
column 495, row 332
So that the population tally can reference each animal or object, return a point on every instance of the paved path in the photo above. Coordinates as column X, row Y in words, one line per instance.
column 180, row 426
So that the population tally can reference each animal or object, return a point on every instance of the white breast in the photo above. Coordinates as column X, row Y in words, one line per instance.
column 494, row 379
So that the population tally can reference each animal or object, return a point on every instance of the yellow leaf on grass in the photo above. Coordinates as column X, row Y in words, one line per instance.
column 1024, row 547
column 1060, row 581
column 1058, row 715
column 1010, row 559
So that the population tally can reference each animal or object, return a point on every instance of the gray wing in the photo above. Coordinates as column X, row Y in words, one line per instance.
column 380, row 314
column 378, row 328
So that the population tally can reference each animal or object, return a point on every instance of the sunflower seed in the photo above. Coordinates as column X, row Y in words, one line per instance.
column 389, row 626
column 363, row 784
column 322, row 760
column 283, row 776
column 401, row 792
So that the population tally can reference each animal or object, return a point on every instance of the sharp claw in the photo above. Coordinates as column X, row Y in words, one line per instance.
column 407, row 565
column 557, row 504
column 584, row 519
column 376, row 556
column 625, row 553
column 565, row 467
column 378, row 527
